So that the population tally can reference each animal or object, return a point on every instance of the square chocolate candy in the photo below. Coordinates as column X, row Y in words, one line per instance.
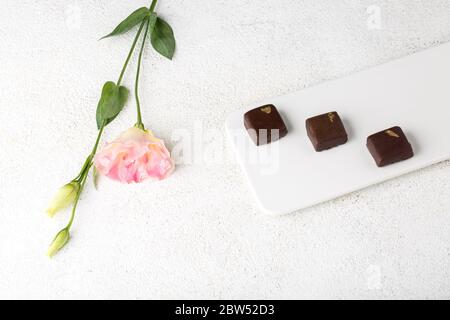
column 326, row 131
column 265, row 125
column 389, row 146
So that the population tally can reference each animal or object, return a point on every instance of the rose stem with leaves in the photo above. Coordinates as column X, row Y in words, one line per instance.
column 63, row 236
column 112, row 101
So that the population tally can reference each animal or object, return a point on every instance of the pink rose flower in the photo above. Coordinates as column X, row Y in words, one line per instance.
column 134, row 156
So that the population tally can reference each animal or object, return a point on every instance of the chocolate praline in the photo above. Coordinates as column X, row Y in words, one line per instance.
column 326, row 131
column 265, row 125
column 389, row 146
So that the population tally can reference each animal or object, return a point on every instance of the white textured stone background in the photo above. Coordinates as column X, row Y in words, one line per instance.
column 200, row 234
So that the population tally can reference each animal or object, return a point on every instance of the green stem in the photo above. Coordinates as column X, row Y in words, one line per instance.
column 100, row 132
column 88, row 161
column 139, row 123
column 77, row 198
column 83, row 168
column 153, row 5
column 130, row 53
column 83, row 175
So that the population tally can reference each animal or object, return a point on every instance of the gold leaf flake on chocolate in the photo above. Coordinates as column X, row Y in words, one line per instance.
column 392, row 134
column 331, row 117
column 267, row 110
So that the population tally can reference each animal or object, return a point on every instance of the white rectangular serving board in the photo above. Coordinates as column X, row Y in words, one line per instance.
column 412, row 92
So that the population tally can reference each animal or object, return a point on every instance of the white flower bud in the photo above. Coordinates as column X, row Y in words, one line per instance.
column 60, row 241
column 65, row 197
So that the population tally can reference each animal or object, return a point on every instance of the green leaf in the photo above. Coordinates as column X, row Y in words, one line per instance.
column 111, row 102
column 132, row 20
column 163, row 40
